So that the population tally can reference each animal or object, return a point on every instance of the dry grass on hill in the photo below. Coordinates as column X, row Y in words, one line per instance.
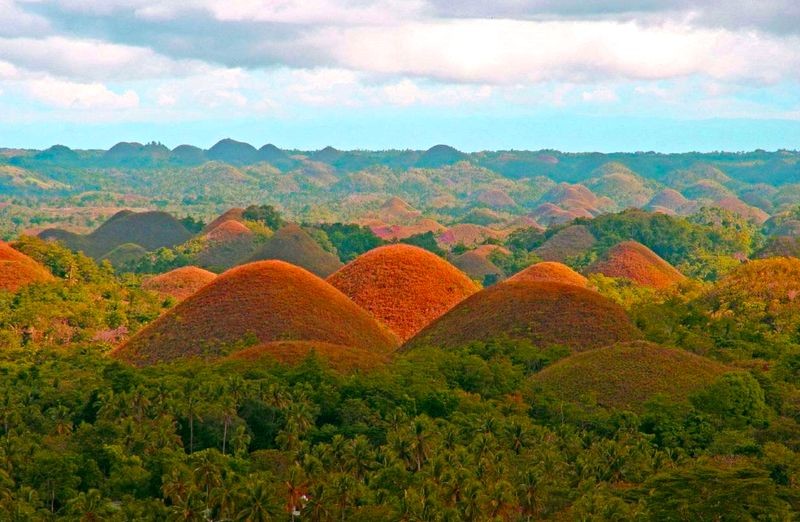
column 258, row 303
column 568, row 242
column 627, row 375
column 638, row 263
column 179, row 283
column 18, row 270
column 551, row 271
column 545, row 313
column 341, row 358
column 293, row 245
column 403, row 286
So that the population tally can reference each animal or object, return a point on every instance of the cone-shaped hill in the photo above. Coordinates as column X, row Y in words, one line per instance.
column 568, row 242
column 403, row 286
column 124, row 254
column 440, row 156
column 341, row 358
column 477, row 266
column 180, row 283
column 638, row 263
column 627, row 375
column 550, row 271
column 235, row 214
column 18, row 270
column 226, row 246
column 293, row 245
column 545, row 313
column 150, row 230
column 263, row 302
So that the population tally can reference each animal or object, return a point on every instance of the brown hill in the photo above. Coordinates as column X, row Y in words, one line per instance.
column 551, row 271
column 235, row 214
column 707, row 189
column 403, row 286
column 568, row 242
column 397, row 232
column 341, row 358
column 467, row 234
column 496, row 198
column 228, row 231
column 668, row 198
column 545, row 313
column 180, row 283
column 550, row 214
column 264, row 302
column 150, row 230
column 626, row 376
column 124, row 254
column 18, row 270
column 477, row 266
column 396, row 211
column 737, row 206
column 293, row 245
column 638, row 263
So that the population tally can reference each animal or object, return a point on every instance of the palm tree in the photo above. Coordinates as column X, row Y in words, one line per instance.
column 255, row 504
column 229, row 410
column 191, row 401
column 89, row 507
column 61, row 416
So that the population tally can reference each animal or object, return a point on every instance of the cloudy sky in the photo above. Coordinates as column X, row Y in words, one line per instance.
column 668, row 75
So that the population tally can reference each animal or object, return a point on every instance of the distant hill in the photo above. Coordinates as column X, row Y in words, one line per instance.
column 638, row 263
column 233, row 152
column 439, row 156
column 293, row 245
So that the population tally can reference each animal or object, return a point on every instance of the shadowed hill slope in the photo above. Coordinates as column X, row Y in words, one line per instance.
column 627, row 375
column 262, row 302
column 403, row 286
column 545, row 313
column 568, row 242
column 293, row 245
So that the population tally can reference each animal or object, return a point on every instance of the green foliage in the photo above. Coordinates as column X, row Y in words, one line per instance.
column 350, row 240
column 266, row 214
column 426, row 241
column 735, row 399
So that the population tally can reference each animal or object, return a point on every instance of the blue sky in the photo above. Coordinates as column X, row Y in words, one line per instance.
column 665, row 75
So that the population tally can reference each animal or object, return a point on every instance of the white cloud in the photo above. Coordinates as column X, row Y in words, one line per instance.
column 600, row 95
column 511, row 51
column 71, row 95
column 81, row 59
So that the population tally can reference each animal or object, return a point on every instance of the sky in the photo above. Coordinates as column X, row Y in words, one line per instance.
column 573, row 75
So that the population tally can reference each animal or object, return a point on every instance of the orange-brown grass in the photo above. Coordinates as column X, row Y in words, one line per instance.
column 234, row 214
column 550, row 214
column 293, row 245
column 18, row 270
column 496, row 198
column 737, row 206
column 227, row 231
column 638, row 263
column 627, row 375
column 568, row 242
column 468, row 235
column 180, row 283
column 258, row 302
column 397, row 211
column 551, row 271
column 341, row 358
column 403, row 286
column 668, row 198
column 477, row 265
column 545, row 313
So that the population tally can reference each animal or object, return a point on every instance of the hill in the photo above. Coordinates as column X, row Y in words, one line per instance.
column 496, row 198
column 545, row 313
column 259, row 302
column 638, row 263
column 477, row 265
column 467, row 234
column 235, row 214
column 124, row 254
column 226, row 245
column 669, row 199
column 440, row 156
column 233, row 152
column 179, row 283
column 621, row 185
column 150, row 230
column 568, row 242
column 341, row 358
column 403, row 286
column 188, row 155
column 625, row 376
column 18, row 270
column 550, row 271
column 293, row 245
